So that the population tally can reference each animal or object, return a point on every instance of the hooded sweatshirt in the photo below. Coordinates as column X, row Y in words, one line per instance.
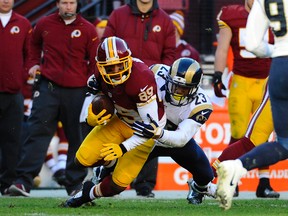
column 150, row 36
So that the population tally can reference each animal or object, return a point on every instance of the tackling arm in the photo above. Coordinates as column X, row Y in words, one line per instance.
column 185, row 131
column 150, row 108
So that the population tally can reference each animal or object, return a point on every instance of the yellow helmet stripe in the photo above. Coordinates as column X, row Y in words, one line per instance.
column 190, row 73
column 174, row 68
column 110, row 46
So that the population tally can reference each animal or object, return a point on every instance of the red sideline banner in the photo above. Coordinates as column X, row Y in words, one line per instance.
column 213, row 137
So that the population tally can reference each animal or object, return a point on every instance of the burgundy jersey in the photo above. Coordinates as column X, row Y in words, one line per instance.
column 245, row 63
column 130, row 93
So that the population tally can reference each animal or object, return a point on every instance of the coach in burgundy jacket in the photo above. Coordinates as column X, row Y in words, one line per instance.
column 63, row 49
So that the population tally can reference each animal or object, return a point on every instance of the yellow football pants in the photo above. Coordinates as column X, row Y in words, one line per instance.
column 115, row 131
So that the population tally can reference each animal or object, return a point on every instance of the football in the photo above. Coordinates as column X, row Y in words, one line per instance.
column 100, row 102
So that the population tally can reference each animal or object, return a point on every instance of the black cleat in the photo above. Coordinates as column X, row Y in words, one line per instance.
column 60, row 177
column 264, row 190
column 81, row 197
column 145, row 192
column 267, row 192
column 194, row 196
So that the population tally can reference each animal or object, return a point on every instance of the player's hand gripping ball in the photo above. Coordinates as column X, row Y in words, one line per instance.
column 100, row 110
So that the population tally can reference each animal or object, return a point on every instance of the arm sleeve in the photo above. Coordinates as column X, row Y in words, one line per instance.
column 36, row 44
column 256, row 27
column 185, row 131
column 27, row 43
column 150, row 107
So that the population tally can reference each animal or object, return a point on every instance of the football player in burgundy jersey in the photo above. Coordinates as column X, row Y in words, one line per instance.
column 247, row 84
column 132, row 87
column 263, row 15
column 259, row 129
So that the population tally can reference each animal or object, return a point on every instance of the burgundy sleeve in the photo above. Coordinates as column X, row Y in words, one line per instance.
column 36, row 45
column 27, row 49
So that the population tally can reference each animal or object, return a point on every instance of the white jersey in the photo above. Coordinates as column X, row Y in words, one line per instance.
column 182, row 121
column 262, row 15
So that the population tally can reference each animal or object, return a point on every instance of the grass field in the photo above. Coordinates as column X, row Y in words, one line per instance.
column 141, row 207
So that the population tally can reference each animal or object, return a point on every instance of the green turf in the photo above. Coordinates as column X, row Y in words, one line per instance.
column 139, row 207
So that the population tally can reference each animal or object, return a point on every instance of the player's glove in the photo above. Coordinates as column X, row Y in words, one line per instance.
column 94, row 120
column 151, row 130
column 112, row 151
column 218, row 85
column 93, row 85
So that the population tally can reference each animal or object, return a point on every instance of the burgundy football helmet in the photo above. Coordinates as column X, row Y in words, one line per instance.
column 114, row 60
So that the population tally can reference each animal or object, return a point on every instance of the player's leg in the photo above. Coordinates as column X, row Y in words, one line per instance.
column 259, row 130
column 126, row 170
column 268, row 153
column 88, row 154
column 239, row 107
column 233, row 151
column 192, row 158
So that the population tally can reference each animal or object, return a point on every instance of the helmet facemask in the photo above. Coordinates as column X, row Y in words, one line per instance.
column 114, row 61
column 114, row 76
column 179, row 93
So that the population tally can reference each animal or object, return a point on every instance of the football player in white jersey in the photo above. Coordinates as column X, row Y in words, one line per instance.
column 263, row 14
column 187, row 108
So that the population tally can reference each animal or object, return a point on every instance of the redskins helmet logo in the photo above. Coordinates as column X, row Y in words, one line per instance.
column 76, row 33
column 156, row 28
column 15, row 30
